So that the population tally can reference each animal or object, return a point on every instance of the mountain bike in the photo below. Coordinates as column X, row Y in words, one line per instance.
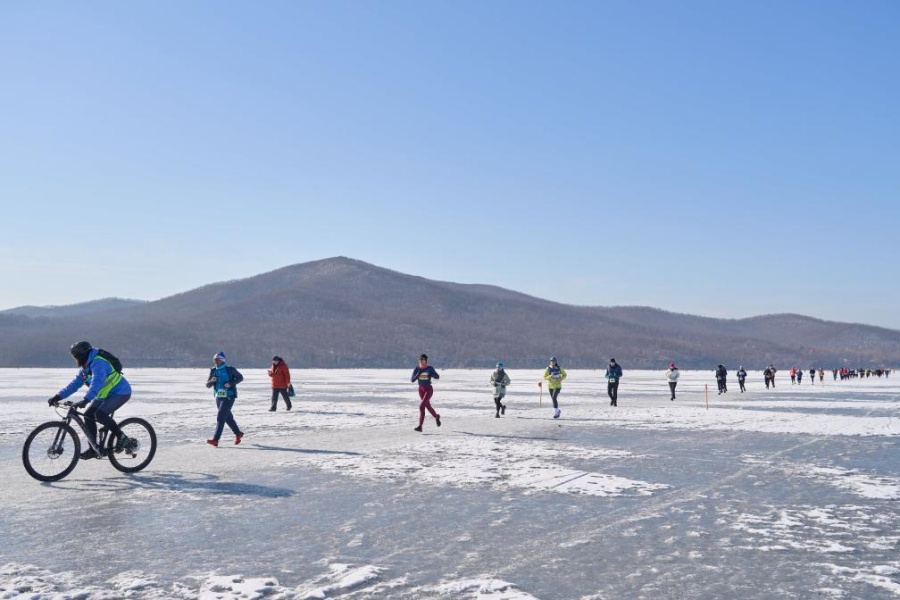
column 53, row 449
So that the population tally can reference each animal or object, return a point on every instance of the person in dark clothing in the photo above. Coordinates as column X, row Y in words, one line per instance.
column 721, row 376
column 281, row 381
column 224, row 380
column 812, row 376
column 423, row 374
column 742, row 377
column 499, row 381
column 769, row 376
column 613, row 375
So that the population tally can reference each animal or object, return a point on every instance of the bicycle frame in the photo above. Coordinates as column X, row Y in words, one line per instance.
column 72, row 415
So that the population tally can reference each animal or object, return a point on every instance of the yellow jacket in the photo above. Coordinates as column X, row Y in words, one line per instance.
column 554, row 381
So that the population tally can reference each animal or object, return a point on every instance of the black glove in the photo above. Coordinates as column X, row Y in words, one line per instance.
column 54, row 400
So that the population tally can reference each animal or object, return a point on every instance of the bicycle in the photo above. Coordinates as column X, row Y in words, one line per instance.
column 53, row 449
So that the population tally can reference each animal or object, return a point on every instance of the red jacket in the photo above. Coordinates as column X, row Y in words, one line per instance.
column 281, row 376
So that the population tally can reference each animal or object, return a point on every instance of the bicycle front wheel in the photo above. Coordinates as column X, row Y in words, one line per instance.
column 141, row 447
column 51, row 451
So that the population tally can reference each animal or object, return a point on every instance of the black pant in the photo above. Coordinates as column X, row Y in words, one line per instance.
column 101, row 411
column 612, row 390
column 284, row 394
column 553, row 396
column 499, row 403
column 741, row 383
column 722, row 386
column 672, row 385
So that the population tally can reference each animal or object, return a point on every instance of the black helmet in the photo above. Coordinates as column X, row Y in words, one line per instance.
column 80, row 352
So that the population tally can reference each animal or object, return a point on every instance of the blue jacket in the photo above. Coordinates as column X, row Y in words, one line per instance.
column 224, row 374
column 100, row 377
column 615, row 372
column 424, row 375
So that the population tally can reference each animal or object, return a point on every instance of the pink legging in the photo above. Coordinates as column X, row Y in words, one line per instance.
column 425, row 393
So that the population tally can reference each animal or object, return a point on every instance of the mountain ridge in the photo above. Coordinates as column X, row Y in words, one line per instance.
column 342, row 312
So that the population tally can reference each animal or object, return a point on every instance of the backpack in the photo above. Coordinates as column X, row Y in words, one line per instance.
column 113, row 360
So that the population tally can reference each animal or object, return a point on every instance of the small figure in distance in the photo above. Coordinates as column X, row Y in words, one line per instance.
column 769, row 376
column 721, row 376
column 613, row 375
column 424, row 374
column 554, row 374
column 281, row 381
column 672, row 375
column 742, row 377
column 499, row 381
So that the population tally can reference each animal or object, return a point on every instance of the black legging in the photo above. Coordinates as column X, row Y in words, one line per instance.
column 672, row 385
column 612, row 390
column 553, row 394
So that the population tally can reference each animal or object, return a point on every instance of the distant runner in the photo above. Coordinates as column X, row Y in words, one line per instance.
column 423, row 374
column 499, row 381
column 613, row 375
column 554, row 374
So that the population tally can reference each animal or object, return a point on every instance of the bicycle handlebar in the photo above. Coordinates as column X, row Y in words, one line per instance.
column 68, row 404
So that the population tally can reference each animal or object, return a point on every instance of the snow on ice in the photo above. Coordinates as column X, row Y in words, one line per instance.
column 340, row 498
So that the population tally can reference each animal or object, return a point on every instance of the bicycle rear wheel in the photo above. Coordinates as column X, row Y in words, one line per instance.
column 141, row 448
column 51, row 451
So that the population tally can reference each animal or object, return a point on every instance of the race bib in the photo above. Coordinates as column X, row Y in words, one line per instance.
column 612, row 379
column 221, row 393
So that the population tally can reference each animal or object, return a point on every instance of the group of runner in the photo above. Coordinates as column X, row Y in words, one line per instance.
column 108, row 389
column 554, row 375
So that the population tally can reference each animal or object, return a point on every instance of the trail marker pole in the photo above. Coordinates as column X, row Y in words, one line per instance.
column 706, row 393
column 541, row 399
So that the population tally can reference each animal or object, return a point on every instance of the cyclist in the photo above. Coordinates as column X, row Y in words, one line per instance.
column 107, row 391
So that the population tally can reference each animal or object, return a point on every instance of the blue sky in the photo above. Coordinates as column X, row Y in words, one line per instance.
column 719, row 158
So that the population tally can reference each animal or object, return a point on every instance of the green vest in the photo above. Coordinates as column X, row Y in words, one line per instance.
column 114, row 378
